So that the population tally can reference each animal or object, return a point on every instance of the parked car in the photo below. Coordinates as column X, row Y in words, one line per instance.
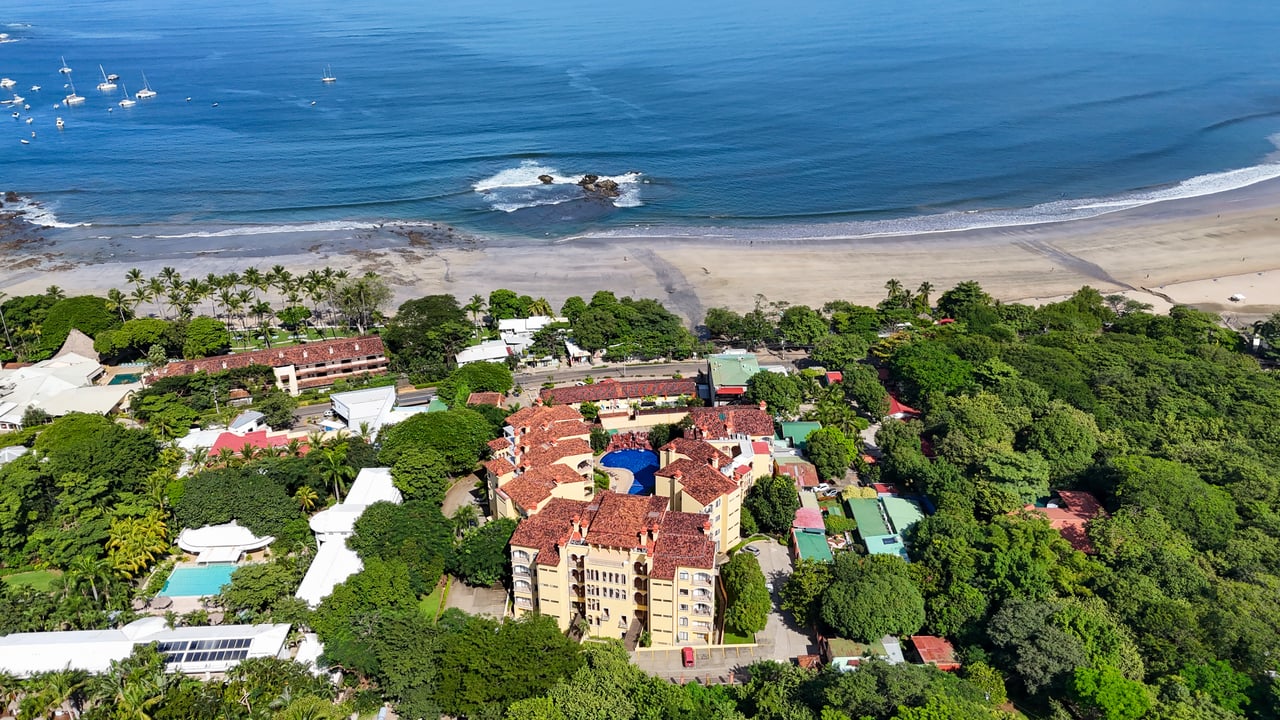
column 752, row 549
column 769, row 586
column 328, row 413
column 823, row 488
column 686, row 654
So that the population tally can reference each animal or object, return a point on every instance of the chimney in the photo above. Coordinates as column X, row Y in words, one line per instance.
column 763, row 405
column 357, row 346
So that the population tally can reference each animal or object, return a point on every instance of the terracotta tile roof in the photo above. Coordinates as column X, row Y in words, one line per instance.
column 701, row 482
column 301, row 355
column 498, row 444
column 1070, row 521
column 937, row 651
column 682, row 542
column 614, row 390
column 553, row 452
column 539, row 415
column 698, row 450
column 619, row 520
column 535, row 485
column 721, row 422
column 550, row 528
column 554, row 431
column 499, row 467
column 485, row 398
column 805, row 474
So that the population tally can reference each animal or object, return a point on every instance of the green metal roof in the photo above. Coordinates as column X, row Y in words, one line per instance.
column 812, row 546
column 902, row 513
column 796, row 432
column 886, row 545
column 866, row 512
column 437, row 405
column 732, row 369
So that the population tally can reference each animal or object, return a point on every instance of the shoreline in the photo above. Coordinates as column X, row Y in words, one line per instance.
column 1197, row 251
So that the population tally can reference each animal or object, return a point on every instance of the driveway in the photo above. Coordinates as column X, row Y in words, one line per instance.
column 463, row 492
column 477, row 601
column 718, row 665
column 781, row 639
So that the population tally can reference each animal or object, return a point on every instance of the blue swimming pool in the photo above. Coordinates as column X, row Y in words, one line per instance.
column 641, row 463
column 189, row 581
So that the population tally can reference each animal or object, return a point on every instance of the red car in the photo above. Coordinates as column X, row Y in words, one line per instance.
column 687, row 655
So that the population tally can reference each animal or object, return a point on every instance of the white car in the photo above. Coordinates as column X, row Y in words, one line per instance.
column 768, row 586
column 823, row 488
column 752, row 549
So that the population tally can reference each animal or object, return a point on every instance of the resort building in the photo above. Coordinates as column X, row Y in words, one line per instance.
column 191, row 650
column 623, row 564
column 529, row 492
column 698, row 478
column 225, row 543
column 334, row 561
column 60, row 385
column 366, row 412
column 536, row 438
column 723, row 426
column 728, row 374
column 299, row 367
column 617, row 396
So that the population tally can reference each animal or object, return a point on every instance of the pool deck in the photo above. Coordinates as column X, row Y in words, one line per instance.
column 620, row 479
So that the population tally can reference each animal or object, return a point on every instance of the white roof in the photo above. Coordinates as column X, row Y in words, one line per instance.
column 574, row 350
column 337, row 519
column 484, row 352
column 333, row 563
column 9, row 454
column 200, row 439
column 25, row 654
column 227, row 535
column 373, row 485
column 528, row 325
column 58, row 385
column 246, row 419
column 368, row 395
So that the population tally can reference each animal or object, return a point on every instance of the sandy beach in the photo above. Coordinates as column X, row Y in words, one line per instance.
column 1197, row 251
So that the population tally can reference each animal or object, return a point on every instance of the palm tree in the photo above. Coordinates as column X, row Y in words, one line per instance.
column 248, row 452
column 225, row 456
column 294, row 447
column 541, row 307
column 170, row 275
column 139, row 296
column 199, row 458
column 118, row 302
column 922, row 294
column 335, row 469
column 55, row 292
column 307, row 498
column 254, row 278
column 465, row 517
column 894, row 286
column 86, row 569
column 134, row 275
column 155, row 291
column 475, row 308
column 8, row 339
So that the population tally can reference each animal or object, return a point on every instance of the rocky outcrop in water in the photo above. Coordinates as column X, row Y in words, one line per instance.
column 595, row 186
column 546, row 179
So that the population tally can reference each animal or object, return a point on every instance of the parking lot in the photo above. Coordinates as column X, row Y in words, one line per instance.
column 781, row 639
column 711, row 665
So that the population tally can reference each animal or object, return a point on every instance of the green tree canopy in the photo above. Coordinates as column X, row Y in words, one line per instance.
column 481, row 558
column 459, row 435
column 773, row 503
column 748, row 605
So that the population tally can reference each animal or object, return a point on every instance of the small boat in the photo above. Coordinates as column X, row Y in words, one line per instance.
column 107, row 83
column 60, row 124
column 73, row 98
column 146, row 91
column 112, row 77
column 30, row 120
column 215, row 105
column 25, row 142
column 64, row 69
column 127, row 101
column 328, row 75
column 17, row 114
column 27, row 106
column 7, row 83
column 17, row 99
column 35, row 88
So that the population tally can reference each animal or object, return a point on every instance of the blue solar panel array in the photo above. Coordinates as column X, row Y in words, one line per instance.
column 191, row 651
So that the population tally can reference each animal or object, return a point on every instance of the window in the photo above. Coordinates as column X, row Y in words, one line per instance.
column 523, row 586
column 684, row 575
column 703, row 578
column 683, row 636
column 520, row 556
column 684, row 607
column 520, row 569
column 684, row 622
column 684, row 592
column 717, row 502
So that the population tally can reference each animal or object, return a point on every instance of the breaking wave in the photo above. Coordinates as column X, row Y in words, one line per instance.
column 518, row 188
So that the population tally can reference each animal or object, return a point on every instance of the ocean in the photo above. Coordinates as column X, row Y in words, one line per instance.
column 885, row 117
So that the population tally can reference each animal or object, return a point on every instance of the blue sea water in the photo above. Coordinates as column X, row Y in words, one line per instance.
column 917, row 114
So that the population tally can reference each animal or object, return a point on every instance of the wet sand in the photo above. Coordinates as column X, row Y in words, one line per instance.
column 1197, row 251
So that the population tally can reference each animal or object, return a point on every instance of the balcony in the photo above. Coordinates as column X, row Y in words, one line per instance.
column 703, row 610
column 524, row 603
column 520, row 570
column 701, row 594
column 702, row 579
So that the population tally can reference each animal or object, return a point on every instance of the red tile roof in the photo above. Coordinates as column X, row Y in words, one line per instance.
column 553, row 452
column 257, row 439
column 498, row 444
column 805, row 474
column 535, row 485
column 554, row 431
column 1070, row 521
column 682, row 542
column 897, row 408
column 721, row 422
column 937, row 651
column 499, row 467
column 620, row 520
column 697, row 450
column 539, row 415
column 550, row 528
column 301, row 355
column 700, row 481
column 614, row 390
column 808, row 519
column 835, row 376
column 485, row 398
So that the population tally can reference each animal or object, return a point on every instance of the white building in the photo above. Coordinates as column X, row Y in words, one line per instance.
column 334, row 561
column 247, row 422
column 488, row 351
column 211, row 649
column 59, row 385
column 9, row 454
column 221, row 543
column 516, row 336
column 374, row 409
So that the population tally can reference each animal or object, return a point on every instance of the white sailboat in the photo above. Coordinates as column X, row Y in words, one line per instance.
column 60, row 124
column 328, row 75
column 107, row 83
column 73, row 98
column 7, row 83
column 127, row 102
column 35, row 88
column 146, row 91
column 64, row 69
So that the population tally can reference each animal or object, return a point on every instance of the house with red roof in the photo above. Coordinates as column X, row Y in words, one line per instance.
column 298, row 367
column 936, row 651
column 617, row 395
column 1069, row 513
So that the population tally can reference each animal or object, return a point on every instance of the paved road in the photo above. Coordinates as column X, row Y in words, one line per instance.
column 781, row 638
column 463, row 493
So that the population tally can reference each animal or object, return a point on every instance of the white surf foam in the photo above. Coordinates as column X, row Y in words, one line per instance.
column 519, row 187
column 38, row 214
column 237, row 231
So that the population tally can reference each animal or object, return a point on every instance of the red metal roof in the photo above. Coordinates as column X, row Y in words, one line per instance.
column 805, row 474
column 937, row 651
column 897, row 407
column 258, row 440
column 731, row 390
column 808, row 519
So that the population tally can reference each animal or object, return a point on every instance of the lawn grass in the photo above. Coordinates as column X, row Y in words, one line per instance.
column 431, row 604
column 38, row 579
column 731, row 638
